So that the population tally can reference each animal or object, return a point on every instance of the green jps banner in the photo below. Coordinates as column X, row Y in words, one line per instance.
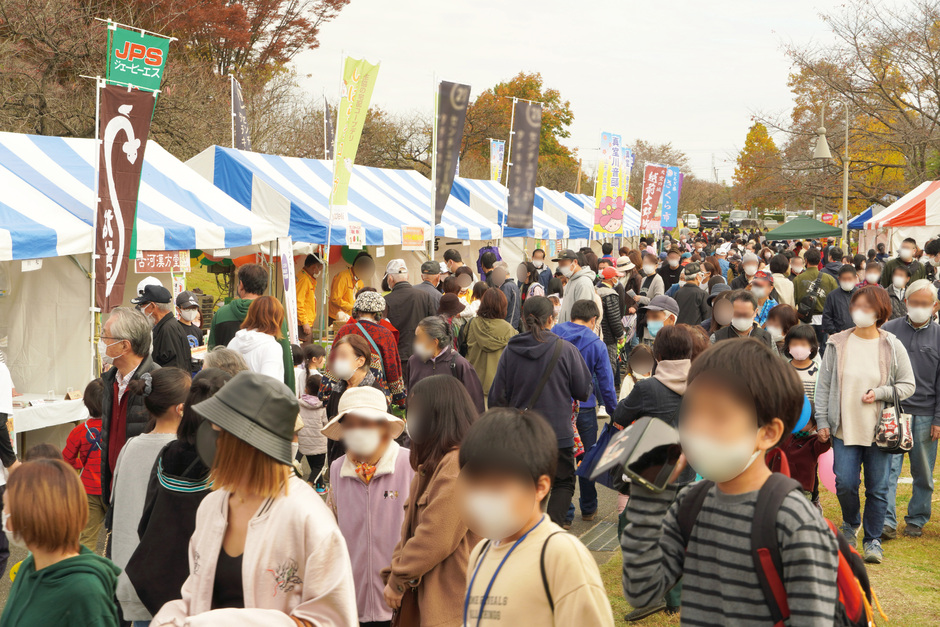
column 136, row 58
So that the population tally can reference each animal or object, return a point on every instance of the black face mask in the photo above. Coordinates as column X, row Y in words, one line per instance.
column 206, row 440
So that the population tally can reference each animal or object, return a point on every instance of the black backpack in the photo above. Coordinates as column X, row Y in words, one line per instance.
column 807, row 304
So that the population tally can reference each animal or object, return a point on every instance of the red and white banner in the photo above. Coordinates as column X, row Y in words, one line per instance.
column 124, row 124
column 654, row 176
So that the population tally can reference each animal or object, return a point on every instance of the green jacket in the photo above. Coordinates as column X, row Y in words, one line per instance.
column 918, row 271
column 76, row 592
column 801, row 285
column 228, row 320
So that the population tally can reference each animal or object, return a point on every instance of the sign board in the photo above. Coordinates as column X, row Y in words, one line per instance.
column 355, row 236
column 136, row 58
column 828, row 218
column 152, row 261
column 412, row 238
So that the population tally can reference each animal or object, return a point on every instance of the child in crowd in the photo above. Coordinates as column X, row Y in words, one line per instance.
column 83, row 452
column 41, row 451
column 803, row 449
column 314, row 360
column 507, row 462
column 370, row 485
column 312, row 442
column 164, row 391
column 802, row 347
column 741, row 401
column 639, row 366
column 300, row 371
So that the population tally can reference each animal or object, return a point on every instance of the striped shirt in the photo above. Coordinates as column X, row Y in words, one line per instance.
column 808, row 378
column 719, row 583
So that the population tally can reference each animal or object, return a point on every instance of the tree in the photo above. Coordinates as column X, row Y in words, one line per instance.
column 756, row 175
column 490, row 114
column 664, row 154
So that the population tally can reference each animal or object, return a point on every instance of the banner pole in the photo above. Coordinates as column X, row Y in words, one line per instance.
column 435, row 90
column 95, row 315
column 326, row 140
column 512, row 121
column 324, row 306
column 231, row 100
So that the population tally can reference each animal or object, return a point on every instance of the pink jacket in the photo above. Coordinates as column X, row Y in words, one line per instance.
column 370, row 517
column 295, row 565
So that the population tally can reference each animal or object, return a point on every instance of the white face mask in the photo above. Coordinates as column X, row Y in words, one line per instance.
column 648, row 269
column 750, row 270
column 742, row 324
column 934, row 261
column 717, row 460
column 423, row 352
column 906, row 254
column 673, row 263
column 848, row 286
column 863, row 319
column 899, row 282
column 759, row 292
column 294, row 449
column 566, row 270
column 919, row 315
column 800, row 353
column 796, row 269
column 775, row 332
column 343, row 369
column 106, row 359
column 873, row 277
column 682, row 283
column 491, row 514
column 13, row 538
column 189, row 314
column 362, row 443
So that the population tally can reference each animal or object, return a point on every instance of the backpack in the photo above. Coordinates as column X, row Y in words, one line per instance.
column 854, row 607
column 807, row 304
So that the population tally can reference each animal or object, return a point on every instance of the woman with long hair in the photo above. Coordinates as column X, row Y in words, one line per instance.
column 435, row 542
column 257, row 339
column 266, row 550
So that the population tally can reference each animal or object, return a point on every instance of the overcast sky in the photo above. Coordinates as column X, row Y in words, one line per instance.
column 688, row 72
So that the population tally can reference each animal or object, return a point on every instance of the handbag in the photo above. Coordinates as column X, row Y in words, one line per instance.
column 408, row 614
column 591, row 457
column 894, row 433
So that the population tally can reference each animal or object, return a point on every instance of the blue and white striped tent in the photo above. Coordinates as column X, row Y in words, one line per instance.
column 382, row 201
column 574, row 214
column 492, row 198
column 50, row 193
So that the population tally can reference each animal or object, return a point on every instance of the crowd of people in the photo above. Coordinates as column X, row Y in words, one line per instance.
column 417, row 471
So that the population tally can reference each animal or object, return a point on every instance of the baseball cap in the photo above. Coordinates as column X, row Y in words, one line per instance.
column 761, row 275
column 150, row 280
column 569, row 254
column 724, row 248
column 186, row 300
column 430, row 267
column 693, row 268
column 717, row 289
column 664, row 303
column 609, row 272
column 153, row 294
column 396, row 266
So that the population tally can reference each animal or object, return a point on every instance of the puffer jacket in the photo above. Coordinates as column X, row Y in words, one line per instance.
column 313, row 415
column 611, row 314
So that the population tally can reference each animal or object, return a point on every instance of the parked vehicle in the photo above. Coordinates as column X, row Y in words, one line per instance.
column 749, row 224
column 690, row 220
column 710, row 219
column 737, row 218
column 771, row 224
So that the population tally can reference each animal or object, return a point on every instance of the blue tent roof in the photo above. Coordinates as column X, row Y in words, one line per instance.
column 858, row 222
column 478, row 193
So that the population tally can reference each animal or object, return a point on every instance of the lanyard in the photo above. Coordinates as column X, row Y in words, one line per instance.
column 486, row 594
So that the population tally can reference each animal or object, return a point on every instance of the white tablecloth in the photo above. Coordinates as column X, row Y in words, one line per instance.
column 47, row 414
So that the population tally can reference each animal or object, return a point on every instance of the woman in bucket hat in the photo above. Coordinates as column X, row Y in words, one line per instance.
column 266, row 550
column 370, row 486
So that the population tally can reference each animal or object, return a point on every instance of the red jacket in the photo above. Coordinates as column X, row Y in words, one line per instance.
column 83, row 452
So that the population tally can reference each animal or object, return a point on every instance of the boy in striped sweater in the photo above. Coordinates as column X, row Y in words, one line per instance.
column 83, row 452
column 741, row 401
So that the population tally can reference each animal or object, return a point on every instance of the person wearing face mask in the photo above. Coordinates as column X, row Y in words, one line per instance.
column 580, row 281
column 434, row 354
column 262, row 529
column 783, row 286
column 862, row 369
column 740, row 402
column 428, row 571
column 905, row 259
column 662, row 311
column 170, row 338
column 762, row 286
column 692, row 301
column 124, row 347
column 896, row 291
column 797, row 266
column 780, row 320
column 801, row 348
column 932, row 259
column 369, row 487
column 164, row 394
column 872, row 274
column 545, row 273
column 834, row 262
column 454, row 261
column 743, row 311
column 837, row 316
column 188, row 307
column 307, row 296
column 507, row 462
column 347, row 283
column 749, row 266
column 806, row 281
column 720, row 308
column 60, row 582
column 920, row 335
column 670, row 271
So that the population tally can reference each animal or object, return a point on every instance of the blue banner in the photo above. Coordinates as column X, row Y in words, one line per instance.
column 671, row 189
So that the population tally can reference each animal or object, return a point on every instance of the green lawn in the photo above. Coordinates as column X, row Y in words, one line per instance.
column 907, row 583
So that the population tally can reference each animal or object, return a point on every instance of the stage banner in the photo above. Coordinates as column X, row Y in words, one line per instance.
column 610, row 186
column 358, row 82
column 497, row 155
column 285, row 247
column 124, row 124
column 654, row 177
column 672, row 187
column 241, row 138
column 452, row 100
column 524, row 151
column 136, row 58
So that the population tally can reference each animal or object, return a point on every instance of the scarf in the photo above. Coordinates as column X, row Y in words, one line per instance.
column 365, row 470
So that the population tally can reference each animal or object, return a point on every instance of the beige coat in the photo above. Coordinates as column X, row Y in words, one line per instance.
column 784, row 287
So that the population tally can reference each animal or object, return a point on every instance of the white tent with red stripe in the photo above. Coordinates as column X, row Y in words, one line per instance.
column 919, row 207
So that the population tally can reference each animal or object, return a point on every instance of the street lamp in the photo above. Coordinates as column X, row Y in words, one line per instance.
column 821, row 153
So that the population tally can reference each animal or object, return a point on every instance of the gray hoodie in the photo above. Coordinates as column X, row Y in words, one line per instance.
column 580, row 287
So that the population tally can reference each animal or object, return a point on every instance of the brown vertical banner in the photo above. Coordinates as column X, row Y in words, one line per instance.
column 124, row 124
column 452, row 102
column 524, row 149
column 242, row 137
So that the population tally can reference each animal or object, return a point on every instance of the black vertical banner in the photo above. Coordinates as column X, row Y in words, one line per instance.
column 328, row 133
column 241, row 136
column 451, row 114
column 524, row 164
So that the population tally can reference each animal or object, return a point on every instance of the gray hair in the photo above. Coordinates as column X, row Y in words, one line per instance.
column 225, row 359
column 131, row 325
column 166, row 307
column 921, row 285
column 398, row 277
column 437, row 329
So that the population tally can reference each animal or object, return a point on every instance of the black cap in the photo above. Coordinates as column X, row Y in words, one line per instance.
column 153, row 294
column 570, row 254
column 430, row 267
column 186, row 300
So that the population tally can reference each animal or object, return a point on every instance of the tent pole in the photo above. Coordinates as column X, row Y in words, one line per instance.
column 512, row 120
column 433, row 168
